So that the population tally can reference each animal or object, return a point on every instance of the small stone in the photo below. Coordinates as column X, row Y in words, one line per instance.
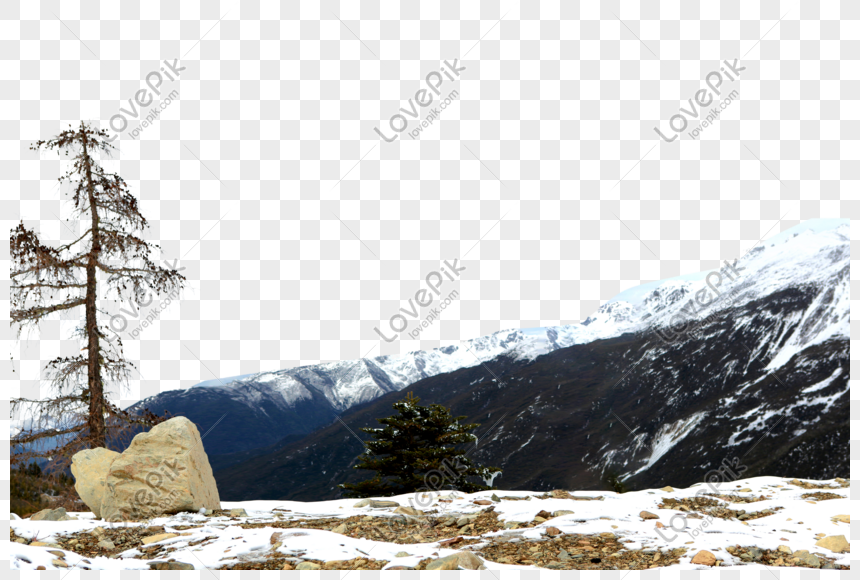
column 409, row 511
column 845, row 519
column 647, row 515
column 238, row 513
column 59, row 563
column 745, row 490
column 807, row 559
column 539, row 519
column 157, row 538
column 38, row 567
column 287, row 566
column 308, row 566
column 56, row 553
column 784, row 549
column 20, row 540
column 341, row 529
column 275, row 537
column 558, row 513
column 482, row 502
column 836, row 544
column 469, row 561
column 402, row 554
column 56, row 515
column 99, row 531
column 704, row 557
column 106, row 545
column 666, row 489
column 495, row 498
column 380, row 503
column 170, row 566
column 553, row 532
column 447, row 563
column 659, row 525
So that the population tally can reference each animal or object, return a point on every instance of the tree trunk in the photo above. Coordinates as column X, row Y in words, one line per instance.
column 96, row 421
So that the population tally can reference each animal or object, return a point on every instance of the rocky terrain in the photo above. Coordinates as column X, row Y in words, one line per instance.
column 757, row 523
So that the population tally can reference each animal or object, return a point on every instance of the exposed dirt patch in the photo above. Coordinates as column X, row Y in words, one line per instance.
column 840, row 483
column 277, row 563
column 822, row 495
column 576, row 552
column 698, row 507
column 754, row 554
column 123, row 538
column 737, row 498
column 431, row 527
column 561, row 494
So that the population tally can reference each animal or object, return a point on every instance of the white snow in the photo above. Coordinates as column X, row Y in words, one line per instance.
column 796, row 525
column 823, row 384
column 668, row 436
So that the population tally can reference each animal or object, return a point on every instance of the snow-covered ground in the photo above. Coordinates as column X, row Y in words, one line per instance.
column 220, row 543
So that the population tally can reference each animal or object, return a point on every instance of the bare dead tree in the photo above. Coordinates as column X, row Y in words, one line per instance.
column 48, row 280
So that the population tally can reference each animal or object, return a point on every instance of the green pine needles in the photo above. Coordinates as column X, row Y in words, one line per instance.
column 419, row 449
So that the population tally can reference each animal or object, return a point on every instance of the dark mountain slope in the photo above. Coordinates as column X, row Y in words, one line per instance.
column 240, row 418
column 653, row 413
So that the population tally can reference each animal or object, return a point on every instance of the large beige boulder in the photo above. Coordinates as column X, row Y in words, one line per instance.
column 164, row 471
column 90, row 468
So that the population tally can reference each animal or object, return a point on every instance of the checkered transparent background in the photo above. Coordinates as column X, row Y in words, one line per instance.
column 300, row 230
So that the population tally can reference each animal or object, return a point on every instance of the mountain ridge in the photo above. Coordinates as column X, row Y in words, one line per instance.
column 325, row 390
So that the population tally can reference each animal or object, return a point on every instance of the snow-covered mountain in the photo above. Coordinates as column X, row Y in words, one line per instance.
column 814, row 255
column 664, row 384
column 804, row 258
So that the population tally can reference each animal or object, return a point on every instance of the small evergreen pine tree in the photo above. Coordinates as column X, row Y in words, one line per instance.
column 419, row 449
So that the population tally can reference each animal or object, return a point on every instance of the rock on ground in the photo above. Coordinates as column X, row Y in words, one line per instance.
column 157, row 538
column 376, row 503
column 164, row 471
column 90, row 468
column 170, row 566
column 409, row 511
column 451, row 562
column 836, row 544
column 49, row 515
column 704, row 557
column 308, row 566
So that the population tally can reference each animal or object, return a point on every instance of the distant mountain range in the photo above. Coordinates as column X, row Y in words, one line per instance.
column 653, row 387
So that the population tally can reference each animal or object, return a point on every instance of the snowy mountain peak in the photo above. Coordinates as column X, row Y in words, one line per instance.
column 812, row 253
